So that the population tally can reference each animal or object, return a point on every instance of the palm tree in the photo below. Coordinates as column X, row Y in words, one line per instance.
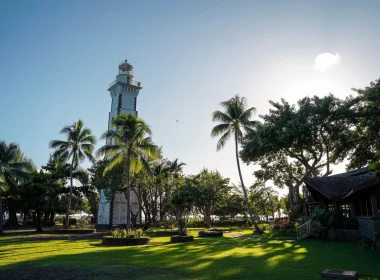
column 79, row 145
column 131, row 146
column 13, row 166
column 175, row 167
column 233, row 121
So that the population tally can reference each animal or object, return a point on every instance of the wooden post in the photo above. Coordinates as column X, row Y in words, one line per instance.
column 374, row 204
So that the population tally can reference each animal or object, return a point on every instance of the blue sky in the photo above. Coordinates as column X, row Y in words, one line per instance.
column 58, row 57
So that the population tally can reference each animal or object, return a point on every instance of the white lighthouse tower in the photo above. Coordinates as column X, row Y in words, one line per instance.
column 124, row 91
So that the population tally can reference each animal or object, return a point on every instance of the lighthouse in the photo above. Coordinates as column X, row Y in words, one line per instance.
column 123, row 91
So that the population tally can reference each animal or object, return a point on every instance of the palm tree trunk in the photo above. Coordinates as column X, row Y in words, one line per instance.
column 128, row 195
column 257, row 229
column 71, row 193
column 1, row 213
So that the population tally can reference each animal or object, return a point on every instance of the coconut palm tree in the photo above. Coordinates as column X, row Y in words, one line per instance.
column 79, row 145
column 129, row 145
column 13, row 167
column 175, row 167
column 234, row 119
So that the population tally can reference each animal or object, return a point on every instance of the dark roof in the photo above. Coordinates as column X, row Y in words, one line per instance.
column 356, row 172
column 335, row 187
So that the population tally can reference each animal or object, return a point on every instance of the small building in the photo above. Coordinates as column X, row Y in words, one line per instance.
column 355, row 193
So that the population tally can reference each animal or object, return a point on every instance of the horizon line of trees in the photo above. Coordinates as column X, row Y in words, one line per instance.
column 291, row 142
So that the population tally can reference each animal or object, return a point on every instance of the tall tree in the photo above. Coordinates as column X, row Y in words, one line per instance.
column 303, row 140
column 129, row 145
column 277, row 167
column 209, row 189
column 79, row 145
column 13, row 167
column 182, row 200
column 232, row 205
column 365, row 138
column 265, row 199
column 234, row 120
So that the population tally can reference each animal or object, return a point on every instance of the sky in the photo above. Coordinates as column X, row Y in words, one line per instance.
column 57, row 59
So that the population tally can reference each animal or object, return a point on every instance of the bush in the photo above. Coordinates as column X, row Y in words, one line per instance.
column 196, row 223
column 127, row 233
column 367, row 244
column 291, row 232
column 81, row 224
column 318, row 229
column 284, row 224
column 59, row 219
column 72, row 221
column 266, row 227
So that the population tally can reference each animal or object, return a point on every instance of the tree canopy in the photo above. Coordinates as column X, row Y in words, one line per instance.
column 303, row 140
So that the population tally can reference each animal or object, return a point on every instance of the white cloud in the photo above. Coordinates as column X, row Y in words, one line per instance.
column 325, row 61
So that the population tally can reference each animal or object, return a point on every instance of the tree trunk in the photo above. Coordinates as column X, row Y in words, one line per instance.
column 34, row 218
column 38, row 222
column 51, row 219
column 290, row 197
column 129, row 208
column 46, row 218
column 71, row 193
column 1, row 213
column 140, row 215
column 257, row 229
column 182, row 229
column 12, row 221
column 207, row 215
column 24, row 220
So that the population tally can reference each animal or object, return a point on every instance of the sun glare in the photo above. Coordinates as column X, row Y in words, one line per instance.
column 325, row 61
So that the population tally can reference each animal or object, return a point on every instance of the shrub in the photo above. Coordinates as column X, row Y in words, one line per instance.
column 72, row 221
column 127, row 233
column 318, row 229
column 266, row 227
column 166, row 225
column 367, row 244
column 59, row 219
column 291, row 232
column 138, row 233
column 284, row 224
column 196, row 223
column 81, row 224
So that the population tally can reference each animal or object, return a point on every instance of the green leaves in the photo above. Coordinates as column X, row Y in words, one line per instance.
column 365, row 136
column 129, row 143
column 80, row 144
column 234, row 120
column 315, row 133
column 14, row 166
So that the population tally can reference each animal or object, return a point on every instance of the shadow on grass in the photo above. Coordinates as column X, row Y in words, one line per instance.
column 216, row 258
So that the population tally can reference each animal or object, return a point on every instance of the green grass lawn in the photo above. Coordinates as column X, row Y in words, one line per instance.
column 205, row 258
column 276, row 235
